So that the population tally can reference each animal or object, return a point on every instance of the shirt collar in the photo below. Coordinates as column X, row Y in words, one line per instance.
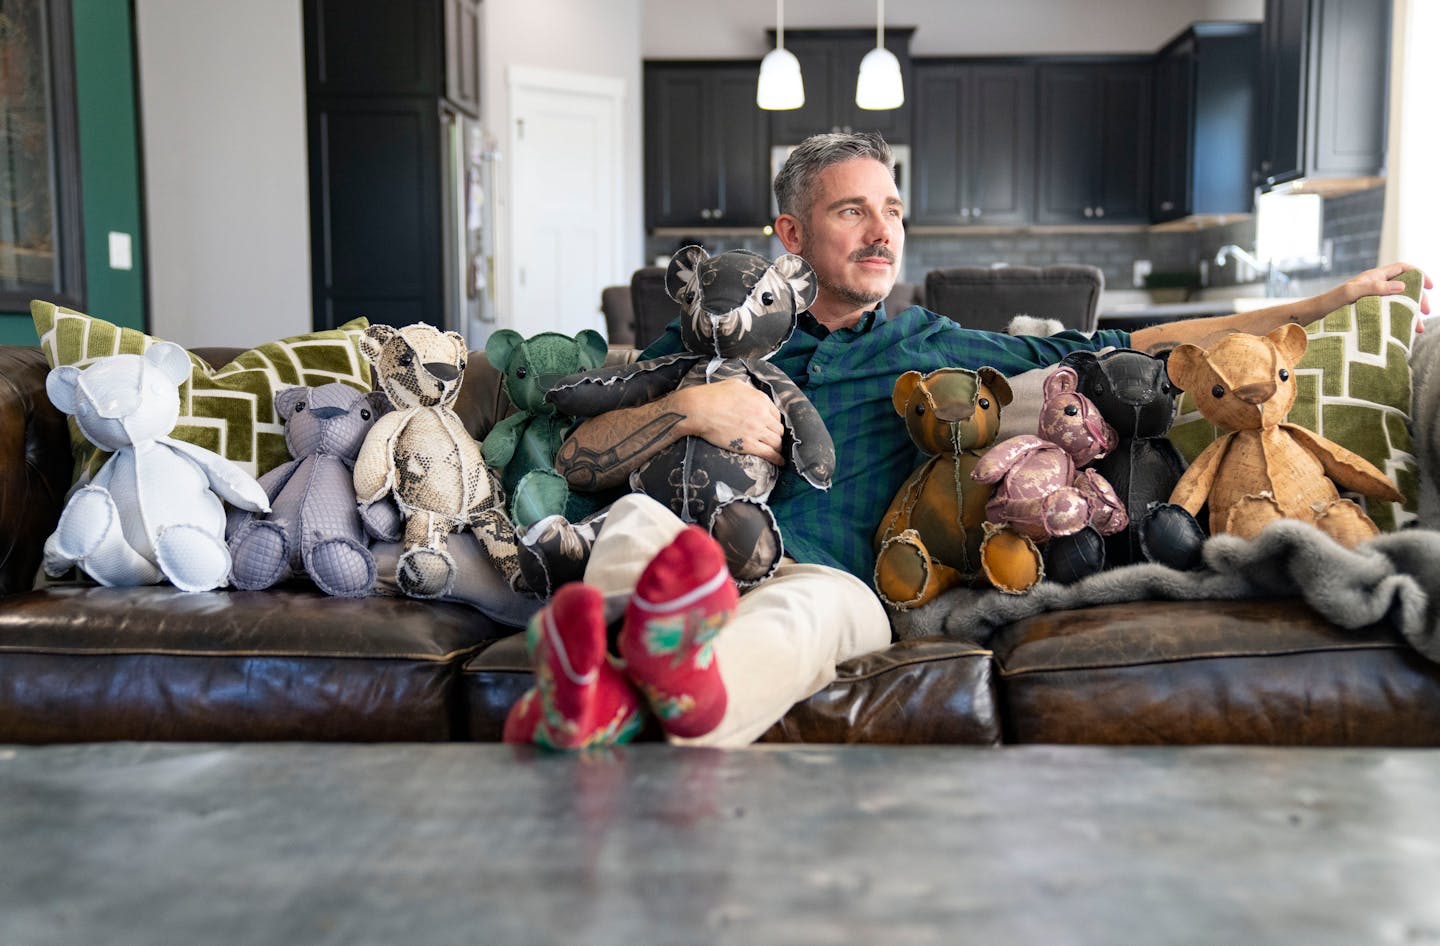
column 871, row 320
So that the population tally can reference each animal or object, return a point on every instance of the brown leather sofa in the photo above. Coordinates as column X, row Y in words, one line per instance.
column 82, row 663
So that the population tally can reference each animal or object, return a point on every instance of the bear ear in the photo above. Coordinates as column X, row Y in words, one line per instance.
column 171, row 359
column 905, row 386
column 461, row 346
column 593, row 348
column 997, row 384
column 373, row 342
column 1063, row 380
column 500, row 346
column 801, row 277
column 1292, row 342
column 379, row 401
column 1185, row 366
column 60, row 386
column 682, row 266
column 286, row 400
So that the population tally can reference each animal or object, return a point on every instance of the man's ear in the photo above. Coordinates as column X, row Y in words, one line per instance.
column 787, row 228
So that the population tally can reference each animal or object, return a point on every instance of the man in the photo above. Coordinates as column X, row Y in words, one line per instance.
column 841, row 211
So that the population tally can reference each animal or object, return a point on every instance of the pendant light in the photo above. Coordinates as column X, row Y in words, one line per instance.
column 780, row 86
column 879, row 86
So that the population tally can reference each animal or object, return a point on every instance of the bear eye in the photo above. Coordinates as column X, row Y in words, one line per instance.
column 1098, row 390
column 984, row 403
column 406, row 358
column 462, row 364
column 300, row 407
column 1218, row 391
column 1284, row 374
column 521, row 372
column 364, row 413
column 1165, row 388
column 688, row 296
column 919, row 408
column 767, row 298
column 1072, row 409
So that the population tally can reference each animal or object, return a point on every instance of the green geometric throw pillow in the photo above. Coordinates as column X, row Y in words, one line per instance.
column 1353, row 387
column 229, row 409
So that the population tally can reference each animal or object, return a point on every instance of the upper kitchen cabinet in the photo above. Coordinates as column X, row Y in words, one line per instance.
column 1323, row 90
column 829, row 66
column 383, row 82
column 974, row 148
column 1206, row 87
column 1094, row 142
column 706, row 147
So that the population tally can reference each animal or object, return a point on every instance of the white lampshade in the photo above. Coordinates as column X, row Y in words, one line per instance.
column 780, row 86
column 879, row 86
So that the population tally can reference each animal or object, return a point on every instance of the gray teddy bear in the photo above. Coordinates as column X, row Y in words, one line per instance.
column 315, row 524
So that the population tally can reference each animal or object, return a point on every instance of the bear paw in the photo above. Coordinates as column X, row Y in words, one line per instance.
column 341, row 567
column 425, row 573
column 193, row 559
column 260, row 555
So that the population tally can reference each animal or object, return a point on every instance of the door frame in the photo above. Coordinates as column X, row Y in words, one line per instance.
column 607, row 89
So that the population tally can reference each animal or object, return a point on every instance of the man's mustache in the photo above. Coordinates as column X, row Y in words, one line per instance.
column 869, row 251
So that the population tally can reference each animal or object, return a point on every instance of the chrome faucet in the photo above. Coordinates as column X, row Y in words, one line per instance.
column 1276, row 282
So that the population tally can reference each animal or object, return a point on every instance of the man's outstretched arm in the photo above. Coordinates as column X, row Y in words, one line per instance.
column 602, row 452
column 1206, row 332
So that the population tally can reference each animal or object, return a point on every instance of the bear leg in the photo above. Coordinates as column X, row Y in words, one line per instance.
column 89, row 535
column 1345, row 522
column 747, row 532
column 192, row 558
column 341, row 567
column 260, row 554
column 906, row 576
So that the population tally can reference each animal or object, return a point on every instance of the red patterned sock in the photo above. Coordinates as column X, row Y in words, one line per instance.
column 684, row 597
column 579, row 699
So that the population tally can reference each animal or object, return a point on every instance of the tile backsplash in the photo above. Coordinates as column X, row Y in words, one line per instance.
column 1351, row 228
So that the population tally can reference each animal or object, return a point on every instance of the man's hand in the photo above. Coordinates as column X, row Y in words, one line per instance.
column 1381, row 281
column 735, row 415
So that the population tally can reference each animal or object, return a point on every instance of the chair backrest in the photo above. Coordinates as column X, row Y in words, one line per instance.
column 619, row 315
column 903, row 295
column 988, row 298
column 654, row 309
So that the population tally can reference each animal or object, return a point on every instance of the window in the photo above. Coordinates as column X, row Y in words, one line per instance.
column 40, row 237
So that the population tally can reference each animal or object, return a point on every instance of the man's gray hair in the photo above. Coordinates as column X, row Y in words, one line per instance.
column 795, row 185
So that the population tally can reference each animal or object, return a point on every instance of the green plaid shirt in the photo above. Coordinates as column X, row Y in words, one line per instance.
column 849, row 375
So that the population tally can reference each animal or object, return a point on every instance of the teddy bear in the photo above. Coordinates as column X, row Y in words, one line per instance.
column 153, row 511
column 736, row 310
column 1134, row 394
column 523, row 445
column 931, row 535
column 1266, row 469
column 314, row 524
column 1039, row 490
column 421, row 455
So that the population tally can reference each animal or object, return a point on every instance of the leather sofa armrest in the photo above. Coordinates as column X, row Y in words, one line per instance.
column 35, row 465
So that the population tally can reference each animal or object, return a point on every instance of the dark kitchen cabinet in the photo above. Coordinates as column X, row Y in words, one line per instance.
column 1323, row 90
column 1094, row 142
column 1206, row 91
column 829, row 67
column 381, row 78
column 706, row 146
column 974, row 147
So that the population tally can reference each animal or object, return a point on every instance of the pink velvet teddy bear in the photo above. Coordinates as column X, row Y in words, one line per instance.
column 1040, row 491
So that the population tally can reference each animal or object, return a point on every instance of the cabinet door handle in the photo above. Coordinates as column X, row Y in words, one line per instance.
column 1089, row 211
column 1264, row 165
column 705, row 214
column 1167, row 205
column 976, row 213
column 965, row 212
column 719, row 213
column 1099, row 211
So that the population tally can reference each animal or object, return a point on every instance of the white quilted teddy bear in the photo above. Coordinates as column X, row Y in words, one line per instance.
column 151, row 512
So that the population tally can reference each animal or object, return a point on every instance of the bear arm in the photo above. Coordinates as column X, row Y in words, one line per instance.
column 500, row 443
column 999, row 459
column 229, row 482
column 272, row 482
column 1345, row 467
column 375, row 465
column 812, row 451
column 1195, row 484
column 592, row 393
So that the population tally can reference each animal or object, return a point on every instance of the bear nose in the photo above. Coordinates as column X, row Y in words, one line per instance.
column 325, row 413
column 442, row 371
column 953, row 413
column 1256, row 393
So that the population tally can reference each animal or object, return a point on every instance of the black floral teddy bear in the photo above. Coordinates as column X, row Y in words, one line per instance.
column 737, row 309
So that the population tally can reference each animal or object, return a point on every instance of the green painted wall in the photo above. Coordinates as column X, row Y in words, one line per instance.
column 109, row 166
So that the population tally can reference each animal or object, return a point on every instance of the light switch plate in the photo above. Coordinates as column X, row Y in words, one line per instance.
column 120, row 255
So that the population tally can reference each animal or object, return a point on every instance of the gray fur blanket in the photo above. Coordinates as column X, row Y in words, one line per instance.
column 1393, row 578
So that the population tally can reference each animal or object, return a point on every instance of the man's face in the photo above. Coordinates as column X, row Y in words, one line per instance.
column 853, row 237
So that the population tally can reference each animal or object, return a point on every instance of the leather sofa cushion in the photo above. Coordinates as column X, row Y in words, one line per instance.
column 82, row 663
column 1267, row 672
column 921, row 691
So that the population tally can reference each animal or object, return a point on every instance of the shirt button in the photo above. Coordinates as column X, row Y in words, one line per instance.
column 815, row 369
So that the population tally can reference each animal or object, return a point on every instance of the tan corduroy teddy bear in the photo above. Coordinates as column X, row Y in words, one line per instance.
column 1266, row 469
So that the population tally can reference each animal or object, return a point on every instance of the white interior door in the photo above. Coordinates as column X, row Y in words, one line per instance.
column 565, row 131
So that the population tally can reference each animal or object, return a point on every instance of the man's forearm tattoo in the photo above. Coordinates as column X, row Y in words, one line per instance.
column 590, row 469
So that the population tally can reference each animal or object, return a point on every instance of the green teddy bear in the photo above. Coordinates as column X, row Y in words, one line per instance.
column 524, row 444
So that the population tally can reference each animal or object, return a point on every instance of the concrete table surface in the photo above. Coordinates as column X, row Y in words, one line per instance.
column 275, row 844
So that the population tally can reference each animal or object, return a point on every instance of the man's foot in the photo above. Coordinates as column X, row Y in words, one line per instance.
column 579, row 699
column 683, row 598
